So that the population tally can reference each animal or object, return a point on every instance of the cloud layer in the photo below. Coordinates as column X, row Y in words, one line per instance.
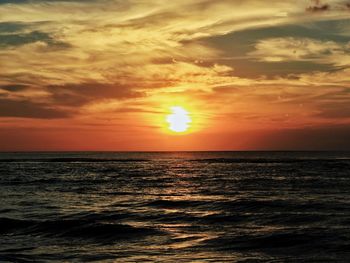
column 244, row 63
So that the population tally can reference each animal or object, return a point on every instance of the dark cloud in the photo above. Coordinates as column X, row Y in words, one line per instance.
column 335, row 110
column 8, row 40
column 71, row 96
column 14, row 88
column 80, row 94
column 335, row 114
column 309, row 138
column 136, row 110
column 13, row 1
column 40, row 1
column 9, row 27
column 28, row 109
column 234, row 47
column 332, row 137
column 318, row 7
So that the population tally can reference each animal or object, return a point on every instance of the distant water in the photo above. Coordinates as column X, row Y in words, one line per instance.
column 175, row 207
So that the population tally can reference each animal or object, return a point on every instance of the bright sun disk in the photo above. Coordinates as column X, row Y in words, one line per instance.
column 179, row 119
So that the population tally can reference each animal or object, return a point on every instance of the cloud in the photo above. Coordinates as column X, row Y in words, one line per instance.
column 335, row 111
column 39, row 1
column 11, row 27
column 13, row 1
column 326, row 137
column 302, row 49
column 330, row 78
column 27, row 109
column 318, row 6
column 112, row 40
column 14, row 87
column 85, row 93
column 12, row 40
column 334, row 5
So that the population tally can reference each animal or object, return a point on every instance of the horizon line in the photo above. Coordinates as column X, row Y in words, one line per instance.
column 160, row 151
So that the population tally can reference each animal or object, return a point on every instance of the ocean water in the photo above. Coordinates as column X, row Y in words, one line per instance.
column 175, row 207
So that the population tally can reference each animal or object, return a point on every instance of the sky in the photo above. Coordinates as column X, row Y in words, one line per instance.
column 104, row 74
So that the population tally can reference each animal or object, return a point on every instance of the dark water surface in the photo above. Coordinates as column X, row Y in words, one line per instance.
column 175, row 207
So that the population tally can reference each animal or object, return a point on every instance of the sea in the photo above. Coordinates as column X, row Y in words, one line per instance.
column 175, row 207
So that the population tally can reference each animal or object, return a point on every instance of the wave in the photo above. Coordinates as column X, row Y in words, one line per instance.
column 272, row 160
column 74, row 228
column 242, row 206
column 292, row 242
column 70, row 160
column 175, row 204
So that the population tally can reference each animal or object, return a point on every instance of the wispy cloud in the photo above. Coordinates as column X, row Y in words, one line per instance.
column 302, row 49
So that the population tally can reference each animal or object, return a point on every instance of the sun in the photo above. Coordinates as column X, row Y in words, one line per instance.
column 179, row 119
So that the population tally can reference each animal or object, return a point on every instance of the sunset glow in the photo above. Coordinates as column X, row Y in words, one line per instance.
column 103, row 74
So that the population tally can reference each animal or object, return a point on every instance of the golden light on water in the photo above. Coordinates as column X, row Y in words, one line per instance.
column 179, row 120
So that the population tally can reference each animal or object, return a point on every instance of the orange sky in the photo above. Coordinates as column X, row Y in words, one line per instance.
column 103, row 74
